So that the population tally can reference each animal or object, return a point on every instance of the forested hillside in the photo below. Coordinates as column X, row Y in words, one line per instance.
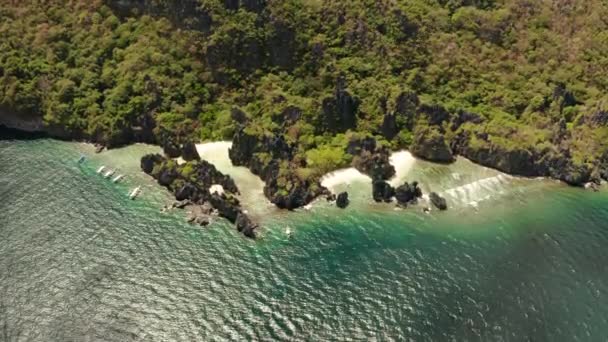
column 519, row 85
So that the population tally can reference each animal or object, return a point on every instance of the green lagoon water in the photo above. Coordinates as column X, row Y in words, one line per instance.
column 512, row 260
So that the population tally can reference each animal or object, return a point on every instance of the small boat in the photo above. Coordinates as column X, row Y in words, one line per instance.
column 288, row 231
column 118, row 178
column 100, row 170
column 109, row 174
column 82, row 159
column 135, row 192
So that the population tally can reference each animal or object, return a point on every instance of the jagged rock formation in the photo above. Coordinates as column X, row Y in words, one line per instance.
column 342, row 200
column 407, row 193
column 371, row 158
column 430, row 144
column 382, row 191
column 191, row 182
column 438, row 201
column 271, row 157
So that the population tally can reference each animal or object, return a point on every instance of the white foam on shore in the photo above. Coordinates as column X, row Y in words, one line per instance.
column 335, row 179
column 479, row 190
column 403, row 162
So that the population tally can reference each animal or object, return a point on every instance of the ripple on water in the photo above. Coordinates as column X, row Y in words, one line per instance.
column 79, row 260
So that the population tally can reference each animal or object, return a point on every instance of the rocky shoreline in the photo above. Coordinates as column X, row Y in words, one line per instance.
column 194, row 185
column 277, row 160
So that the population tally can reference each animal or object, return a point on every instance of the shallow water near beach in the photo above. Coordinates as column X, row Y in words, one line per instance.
column 513, row 259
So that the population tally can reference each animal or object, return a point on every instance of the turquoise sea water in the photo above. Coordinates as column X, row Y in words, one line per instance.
column 79, row 261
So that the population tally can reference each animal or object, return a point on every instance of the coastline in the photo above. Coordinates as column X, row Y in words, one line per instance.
column 403, row 160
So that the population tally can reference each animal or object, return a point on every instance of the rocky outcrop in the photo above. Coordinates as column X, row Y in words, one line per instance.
column 438, row 201
column 189, row 152
column 434, row 114
column 407, row 193
column 171, row 149
column 271, row 157
column 548, row 162
column 245, row 225
column 342, row 200
column 382, row 191
column 370, row 158
column 339, row 111
column 389, row 127
column 430, row 144
column 190, row 184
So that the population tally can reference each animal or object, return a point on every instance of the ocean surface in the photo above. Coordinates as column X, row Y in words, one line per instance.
column 511, row 260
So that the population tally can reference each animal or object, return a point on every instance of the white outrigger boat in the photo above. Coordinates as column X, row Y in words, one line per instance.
column 118, row 178
column 100, row 170
column 135, row 193
column 288, row 232
column 109, row 174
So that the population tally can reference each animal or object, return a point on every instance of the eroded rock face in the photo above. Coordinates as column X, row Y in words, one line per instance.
column 171, row 149
column 190, row 183
column 371, row 159
column 438, row 201
column 245, row 225
column 389, row 127
column 430, row 144
column 271, row 157
column 407, row 193
column 189, row 152
column 342, row 200
column 340, row 111
column 434, row 114
column 382, row 191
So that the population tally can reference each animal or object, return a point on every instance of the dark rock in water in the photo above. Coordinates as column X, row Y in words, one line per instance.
column 245, row 225
column 407, row 193
column 171, row 149
column 342, row 200
column 430, row 144
column 438, row 201
column 331, row 197
column 382, row 191
column 227, row 206
column 189, row 152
